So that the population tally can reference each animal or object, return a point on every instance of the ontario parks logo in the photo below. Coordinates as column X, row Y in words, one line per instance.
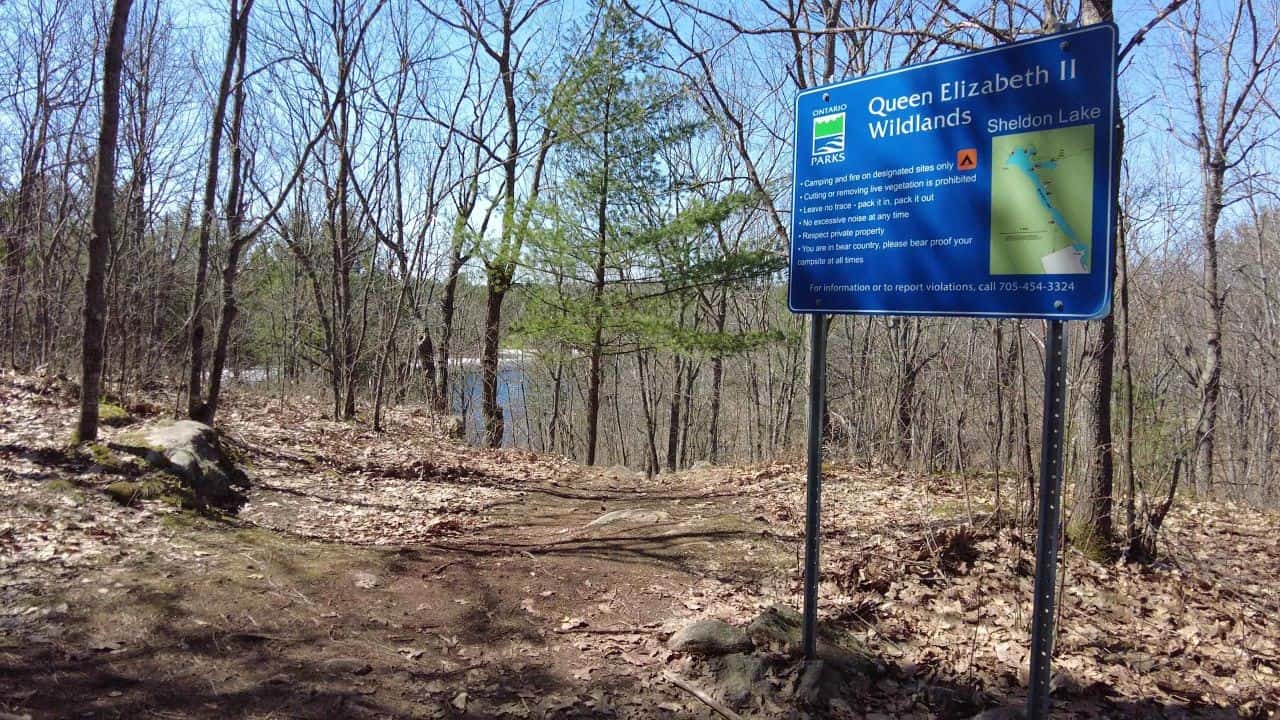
column 828, row 139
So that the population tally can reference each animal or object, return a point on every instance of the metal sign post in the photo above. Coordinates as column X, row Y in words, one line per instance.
column 1042, row 613
column 813, row 479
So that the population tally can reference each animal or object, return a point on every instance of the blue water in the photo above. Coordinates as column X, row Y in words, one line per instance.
column 468, row 400
column 1024, row 159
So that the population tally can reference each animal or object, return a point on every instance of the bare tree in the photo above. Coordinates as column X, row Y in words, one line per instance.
column 1233, row 114
column 104, row 197
column 43, row 48
column 502, row 32
column 238, row 19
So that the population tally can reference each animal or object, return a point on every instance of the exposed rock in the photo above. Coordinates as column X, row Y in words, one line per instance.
column 618, row 472
column 951, row 701
column 633, row 515
column 347, row 666
column 711, row 638
column 739, row 675
column 193, row 452
column 455, row 427
column 822, row 684
column 780, row 629
column 148, row 487
column 809, row 687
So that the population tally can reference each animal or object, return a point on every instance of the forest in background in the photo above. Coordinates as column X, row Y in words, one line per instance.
column 379, row 199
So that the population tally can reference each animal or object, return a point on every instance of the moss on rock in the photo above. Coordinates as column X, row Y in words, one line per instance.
column 152, row 486
column 113, row 415
column 102, row 455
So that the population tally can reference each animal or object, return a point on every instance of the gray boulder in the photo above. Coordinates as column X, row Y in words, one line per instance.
column 640, row 516
column 710, row 638
column 194, row 453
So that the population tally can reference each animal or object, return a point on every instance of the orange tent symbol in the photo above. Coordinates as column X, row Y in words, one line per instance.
column 967, row 159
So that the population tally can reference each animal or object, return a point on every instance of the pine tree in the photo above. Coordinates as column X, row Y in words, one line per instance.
column 615, row 257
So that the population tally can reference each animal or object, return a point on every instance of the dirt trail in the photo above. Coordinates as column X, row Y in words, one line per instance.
column 373, row 584
column 546, row 619
column 398, row 575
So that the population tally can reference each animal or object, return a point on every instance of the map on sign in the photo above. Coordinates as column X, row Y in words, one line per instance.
column 1042, row 202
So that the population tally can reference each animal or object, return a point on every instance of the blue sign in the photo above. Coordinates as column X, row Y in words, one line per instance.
column 977, row 185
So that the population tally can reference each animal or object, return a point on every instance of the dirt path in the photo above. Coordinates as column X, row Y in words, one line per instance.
column 218, row 621
column 398, row 575
column 381, row 585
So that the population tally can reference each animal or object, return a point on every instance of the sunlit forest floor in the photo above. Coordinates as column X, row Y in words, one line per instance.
column 399, row 574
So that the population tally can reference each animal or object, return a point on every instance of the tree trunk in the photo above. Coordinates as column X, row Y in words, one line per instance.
column 1028, row 466
column 597, row 297
column 1126, row 370
column 554, row 424
column 717, row 381
column 104, row 197
column 195, row 322
column 448, row 304
column 617, row 416
column 593, row 397
column 690, row 378
column 673, row 414
column 235, row 222
column 24, row 228
column 491, row 410
column 650, row 423
column 1211, row 371
column 387, row 349
column 1090, row 525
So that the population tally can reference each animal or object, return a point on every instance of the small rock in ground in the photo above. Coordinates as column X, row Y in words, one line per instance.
column 951, row 702
column 618, row 472
column 738, row 675
column 347, row 666
column 711, row 638
column 809, row 690
column 455, row 427
column 364, row 580
column 634, row 515
column 824, row 680
column 780, row 629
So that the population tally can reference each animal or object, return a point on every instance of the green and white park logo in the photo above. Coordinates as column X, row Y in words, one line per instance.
column 828, row 134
